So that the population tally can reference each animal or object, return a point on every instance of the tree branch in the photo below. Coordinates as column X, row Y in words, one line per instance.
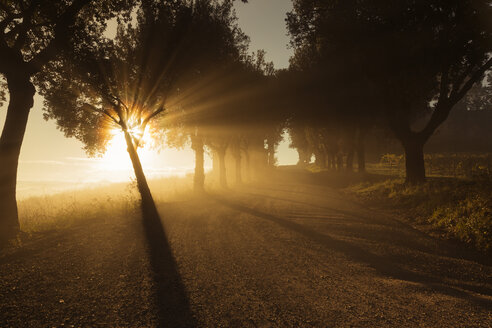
column 473, row 79
column 61, row 35
column 151, row 116
column 102, row 111
column 444, row 87
column 443, row 109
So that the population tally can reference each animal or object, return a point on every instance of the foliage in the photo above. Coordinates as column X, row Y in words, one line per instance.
column 364, row 46
column 470, row 220
column 35, row 32
column 58, row 210
column 462, row 208
column 462, row 165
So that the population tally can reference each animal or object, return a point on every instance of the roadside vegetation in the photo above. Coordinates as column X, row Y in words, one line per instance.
column 454, row 207
column 449, row 207
column 60, row 210
column 476, row 166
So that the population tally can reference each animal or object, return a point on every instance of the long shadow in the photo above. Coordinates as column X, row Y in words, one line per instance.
column 38, row 243
column 169, row 292
column 454, row 250
column 333, row 178
column 381, row 264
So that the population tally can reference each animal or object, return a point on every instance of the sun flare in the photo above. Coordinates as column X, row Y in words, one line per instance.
column 116, row 157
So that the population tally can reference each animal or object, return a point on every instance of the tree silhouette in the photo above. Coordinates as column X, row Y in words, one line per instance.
column 32, row 34
column 124, row 83
column 332, row 80
column 414, row 57
column 215, row 46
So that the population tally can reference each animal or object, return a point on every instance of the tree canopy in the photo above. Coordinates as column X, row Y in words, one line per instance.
column 407, row 58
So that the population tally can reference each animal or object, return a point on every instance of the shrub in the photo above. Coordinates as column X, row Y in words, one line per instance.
column 470, row 220
column 463, row 208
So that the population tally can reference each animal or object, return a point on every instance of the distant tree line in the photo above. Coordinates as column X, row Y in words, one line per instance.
column 182, row 72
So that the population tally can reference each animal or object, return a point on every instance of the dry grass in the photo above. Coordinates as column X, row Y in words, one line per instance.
column 60, row 210
column 463, row 208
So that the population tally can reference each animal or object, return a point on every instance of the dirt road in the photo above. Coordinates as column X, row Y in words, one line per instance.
column 284, row 255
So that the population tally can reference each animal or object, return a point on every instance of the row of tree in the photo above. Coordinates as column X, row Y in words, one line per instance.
column 402, row 65
column 181, row 71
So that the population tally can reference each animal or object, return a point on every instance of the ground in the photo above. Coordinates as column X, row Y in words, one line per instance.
column 273, row 255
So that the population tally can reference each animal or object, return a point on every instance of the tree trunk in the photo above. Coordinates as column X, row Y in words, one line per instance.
column 332, row 160
column 360, row 149
column 21, row 93
column 271, row 153
column 222, row 168
column 237, row 158
column 414, row 161
column 318, row 157
column 142, row 185
column 302, row 157
column 339, row 161
column 361, row 157
column 215, row 164
column 248, row 165
column 350, row 160
column 199, row 178
column 324, row 159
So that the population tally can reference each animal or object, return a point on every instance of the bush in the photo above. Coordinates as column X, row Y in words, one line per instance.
column 470, row 220
column 462, row 208
column 458, row 165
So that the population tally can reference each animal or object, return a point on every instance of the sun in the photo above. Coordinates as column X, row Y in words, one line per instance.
column 116, row 157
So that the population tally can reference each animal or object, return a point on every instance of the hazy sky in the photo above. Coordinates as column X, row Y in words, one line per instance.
column 49, row 160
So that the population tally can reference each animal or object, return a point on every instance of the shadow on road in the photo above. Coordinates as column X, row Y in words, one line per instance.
column 385, row 266
column 169, row 291
column 454, row 250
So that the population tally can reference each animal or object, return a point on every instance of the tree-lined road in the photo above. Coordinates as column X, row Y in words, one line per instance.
column 288, row 255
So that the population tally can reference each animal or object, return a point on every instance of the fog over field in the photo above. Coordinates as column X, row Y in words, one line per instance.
column 245, row 163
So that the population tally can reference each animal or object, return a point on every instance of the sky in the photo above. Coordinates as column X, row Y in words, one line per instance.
column 50, row 162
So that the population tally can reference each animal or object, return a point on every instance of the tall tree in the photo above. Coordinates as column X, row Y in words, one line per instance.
column 208, row 89
column 126, row 83
column 415, row 57
column 32, row 34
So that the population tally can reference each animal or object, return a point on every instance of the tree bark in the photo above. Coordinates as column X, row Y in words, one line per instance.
column 361, row 152
column 215, row 163
column 361, row 158
column 319, row 157
column 199, row 178
column 21, row 93
column 143, row 187
column 248, row 165
column 339, row 161
column 237, row 158
column 222, row 168
column 271, row 153
column 349, row 165
column 414, row 161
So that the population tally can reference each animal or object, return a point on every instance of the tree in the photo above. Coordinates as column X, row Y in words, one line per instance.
column 32, row 34
column 123, row 84
column 416, row 57
column 335, row 97
column 217, row 46
column 452, row 51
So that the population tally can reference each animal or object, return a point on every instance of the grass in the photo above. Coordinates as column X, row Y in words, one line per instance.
column 56, row 211
column 461, row 208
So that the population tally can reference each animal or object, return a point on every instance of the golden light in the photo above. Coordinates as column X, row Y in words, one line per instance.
column 116, row 157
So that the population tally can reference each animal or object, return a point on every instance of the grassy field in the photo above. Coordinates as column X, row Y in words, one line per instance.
column 457, row 208
column 454, row 208
column 293, row 251
column 55, row 211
